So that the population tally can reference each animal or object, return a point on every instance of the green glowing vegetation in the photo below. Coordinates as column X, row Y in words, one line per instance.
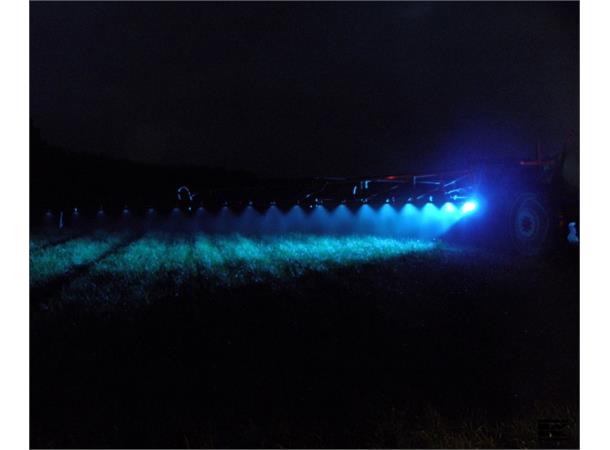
column 242, row 259
column 49, row 261
column 38, row 241
column 161, row 264
column 231, row 257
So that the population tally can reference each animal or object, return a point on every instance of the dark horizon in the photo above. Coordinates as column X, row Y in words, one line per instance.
column 284, row 90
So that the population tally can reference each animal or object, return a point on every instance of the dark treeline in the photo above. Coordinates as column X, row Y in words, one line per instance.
column 60, row 178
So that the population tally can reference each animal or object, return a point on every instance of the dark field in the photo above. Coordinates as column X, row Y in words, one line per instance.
column 181, row 340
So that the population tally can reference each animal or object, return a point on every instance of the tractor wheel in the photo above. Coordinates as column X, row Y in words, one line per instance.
column 530, row 224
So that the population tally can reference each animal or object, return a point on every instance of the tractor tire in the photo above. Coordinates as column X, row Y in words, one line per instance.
column 531, row 224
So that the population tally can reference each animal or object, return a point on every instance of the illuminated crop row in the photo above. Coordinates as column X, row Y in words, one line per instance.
column 159, row 265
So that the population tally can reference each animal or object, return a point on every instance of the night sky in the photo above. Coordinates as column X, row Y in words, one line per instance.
column 305, row 89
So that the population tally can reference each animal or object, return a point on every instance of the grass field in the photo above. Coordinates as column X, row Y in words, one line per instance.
column 193, row 340
column 221, row 260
